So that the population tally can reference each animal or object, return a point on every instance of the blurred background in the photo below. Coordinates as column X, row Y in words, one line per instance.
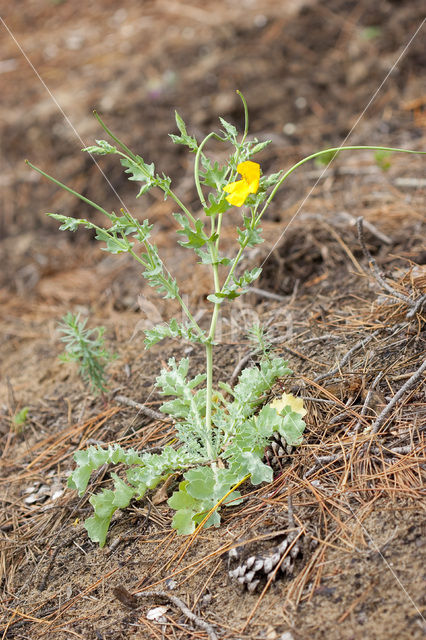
column 307, row 69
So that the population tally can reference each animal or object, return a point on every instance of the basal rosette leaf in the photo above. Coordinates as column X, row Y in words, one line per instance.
column 246, row 450
column 173, row 381
column 97, row 525
column 253, row 382
column 250, row 463
column 291, row 427
column 209, row 483
column 186, row 507
column 200, row 491
column 91, row 459
column 105, row 504
column 183, row 522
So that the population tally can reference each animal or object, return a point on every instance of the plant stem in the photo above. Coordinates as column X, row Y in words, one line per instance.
column 117, row 140
column 196, row 168
column 129, row 153
column 174, row 197
column 178, row 298
column 209, row 394
column 210, row 341
column 64, row 186
column 246, row 117
column 319, row 153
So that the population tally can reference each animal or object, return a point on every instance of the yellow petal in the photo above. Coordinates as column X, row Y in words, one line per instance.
column 251, row 174
column 289, row 400
column 238, row 192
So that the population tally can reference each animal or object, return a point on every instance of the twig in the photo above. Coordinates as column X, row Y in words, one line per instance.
column 290, row 512
column 372, row 229
column 367, row 400
column 236, row 372
column 343, row 414
column 155, row 415
column 343, row 361
column 320, row 400
column 398, row 450
column 416, row 306
column 405, row 387
column 321, row 460
column 376, row 271
column 268, row 294
column 130, row 601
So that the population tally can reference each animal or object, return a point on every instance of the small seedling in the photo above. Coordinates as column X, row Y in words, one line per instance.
column 86, row 347
column 19, row 419
column 221, row 433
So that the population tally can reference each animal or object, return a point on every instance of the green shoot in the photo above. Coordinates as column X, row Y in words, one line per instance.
column 86, row 347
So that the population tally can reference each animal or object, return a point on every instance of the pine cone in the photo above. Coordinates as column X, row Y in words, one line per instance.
column 250, row 572
column 277, row 452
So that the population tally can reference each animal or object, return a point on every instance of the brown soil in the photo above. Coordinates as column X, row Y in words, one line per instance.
column 308, row 71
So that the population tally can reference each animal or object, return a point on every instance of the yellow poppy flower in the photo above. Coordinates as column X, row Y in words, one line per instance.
column 239, row 190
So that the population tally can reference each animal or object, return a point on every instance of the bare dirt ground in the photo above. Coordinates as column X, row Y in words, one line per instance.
column 312, row 74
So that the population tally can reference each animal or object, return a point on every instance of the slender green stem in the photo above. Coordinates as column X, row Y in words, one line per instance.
column 209, row 367
column 246, row 117
column 186, row 211
column 178, row 297
column 239, row 146
column 64, row 186
column 319, row 153
column 209, row 395
column 214, row 249
column 196, row 168
column 117, row 140
column 190, row 316
column 130, row 154
column 219, row 226
column 234, row 264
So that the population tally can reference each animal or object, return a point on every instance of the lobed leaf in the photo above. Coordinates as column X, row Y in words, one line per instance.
column 173, row 329
column 184, row 138
column 230, row 130
column 101, row 148
column 196, row 238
